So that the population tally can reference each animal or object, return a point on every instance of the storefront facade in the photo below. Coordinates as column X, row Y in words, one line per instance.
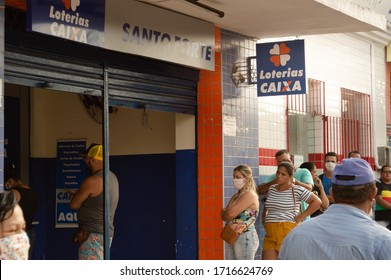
column 175, row 170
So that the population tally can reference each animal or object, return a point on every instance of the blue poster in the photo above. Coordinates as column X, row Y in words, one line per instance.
column 77, row 20
column 281, row 68
column 70, row 173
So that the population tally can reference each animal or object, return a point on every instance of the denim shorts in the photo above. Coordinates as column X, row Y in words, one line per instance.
column 245, row 247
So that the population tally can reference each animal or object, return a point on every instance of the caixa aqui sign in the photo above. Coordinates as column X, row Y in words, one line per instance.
column 281, row 68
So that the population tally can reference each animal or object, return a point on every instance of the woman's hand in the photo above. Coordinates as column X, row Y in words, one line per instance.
column 223, row 215
column 318, row 183
column 298, row 219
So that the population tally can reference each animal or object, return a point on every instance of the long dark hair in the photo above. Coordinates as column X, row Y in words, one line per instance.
column 7, row 205
column 308, row 165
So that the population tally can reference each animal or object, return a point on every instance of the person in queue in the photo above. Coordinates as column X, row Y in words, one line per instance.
column 89, row 203
column 345, row 231
column 301, row 177
column 14, row 242
column 241, row 212
column 27, row 199
column 282, row 209
column 318, row 189
column 383, row 197
column 354, row 154
column 330, row 161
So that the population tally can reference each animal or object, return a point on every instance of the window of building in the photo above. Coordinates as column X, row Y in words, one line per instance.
column 352, row 130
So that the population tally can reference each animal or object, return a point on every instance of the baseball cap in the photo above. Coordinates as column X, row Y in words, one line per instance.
column 352, row 172
column 94, row 150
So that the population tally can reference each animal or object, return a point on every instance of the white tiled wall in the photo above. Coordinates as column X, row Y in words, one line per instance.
column 341, row 61
column 272, row 122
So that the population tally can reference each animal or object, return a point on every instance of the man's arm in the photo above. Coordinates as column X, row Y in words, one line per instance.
column 307, row 186
column 382, row 202
column 303, row 178
column 85, row 190
column 264, row 187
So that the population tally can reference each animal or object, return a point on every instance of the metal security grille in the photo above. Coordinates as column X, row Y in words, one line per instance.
column 356, row 122
column 351, row 131
column 131, row 89
column 313, row 102
column 133, row 81
column 332, row 136
column 35, row 69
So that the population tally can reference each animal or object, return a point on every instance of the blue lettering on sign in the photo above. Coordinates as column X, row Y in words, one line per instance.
column 146, row 37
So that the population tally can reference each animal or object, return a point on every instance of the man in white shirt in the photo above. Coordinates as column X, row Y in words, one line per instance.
column 341, row 233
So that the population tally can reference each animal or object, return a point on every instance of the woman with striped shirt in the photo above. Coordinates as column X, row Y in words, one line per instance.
column 282, row 209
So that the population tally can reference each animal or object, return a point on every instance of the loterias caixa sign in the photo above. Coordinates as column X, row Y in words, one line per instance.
column 82, row 21
column 281, row 68
column 127, row 26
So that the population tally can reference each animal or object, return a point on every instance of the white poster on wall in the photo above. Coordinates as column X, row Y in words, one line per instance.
column 229, row 125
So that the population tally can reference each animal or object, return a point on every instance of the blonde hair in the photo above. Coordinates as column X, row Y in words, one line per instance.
column 246, row 171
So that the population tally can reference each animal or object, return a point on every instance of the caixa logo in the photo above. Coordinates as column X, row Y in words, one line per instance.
column 282, row 71
column 69, row 23
column 71, row 4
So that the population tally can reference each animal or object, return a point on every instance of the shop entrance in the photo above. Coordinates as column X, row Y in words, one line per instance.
column 53, row 74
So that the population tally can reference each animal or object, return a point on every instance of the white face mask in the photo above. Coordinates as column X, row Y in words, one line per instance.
column 14, row 247
column 330, row 166
column 239, row 183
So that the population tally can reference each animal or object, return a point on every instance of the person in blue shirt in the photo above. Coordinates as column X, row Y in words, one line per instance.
column 330, row 161
column 341, row 233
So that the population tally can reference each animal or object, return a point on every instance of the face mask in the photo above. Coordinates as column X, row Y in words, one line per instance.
column 14, row 247
column 330, row 166
column 239, row 183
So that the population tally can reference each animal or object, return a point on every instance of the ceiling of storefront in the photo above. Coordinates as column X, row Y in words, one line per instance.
column 275, row 18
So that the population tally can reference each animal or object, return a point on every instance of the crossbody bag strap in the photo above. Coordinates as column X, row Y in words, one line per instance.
column 247, row 225
column 294, row 201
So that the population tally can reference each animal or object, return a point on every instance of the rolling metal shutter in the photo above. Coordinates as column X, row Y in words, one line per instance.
column 41, row 61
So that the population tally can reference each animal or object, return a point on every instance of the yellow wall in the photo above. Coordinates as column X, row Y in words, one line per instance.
column 57, row 115
column 185, row 132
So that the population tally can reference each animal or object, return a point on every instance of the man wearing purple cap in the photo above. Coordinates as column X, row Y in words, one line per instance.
column 341, row 233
